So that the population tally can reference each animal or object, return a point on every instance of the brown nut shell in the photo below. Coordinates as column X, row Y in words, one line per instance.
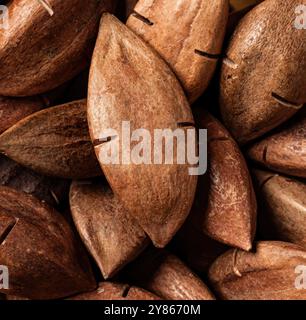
column 284, row 151
column 116, row 291
column 44, row 259
column 110, row 234
column 269, row 273
column 53, row 142
column 283, row 207
column 263, row 76
column 177, row 32
column 46, row 45
column 168, row 277
column 228, row 214
column 129, row 82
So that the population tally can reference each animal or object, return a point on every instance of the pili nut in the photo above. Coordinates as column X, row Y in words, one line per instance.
column 267, row 49
column 177, row 32
column 267, row 274
column 116, row 291
column 284, row 151
column 168, row 277
column 283, row 207
column 158, row 196
column 53, row 142
column 14, row 109
column 195, row 248
column 228, row 214
column 44, row 259
column 46, row 45
column 112, row 236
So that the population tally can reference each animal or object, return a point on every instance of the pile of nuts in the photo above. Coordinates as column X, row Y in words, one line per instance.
column 75, row 224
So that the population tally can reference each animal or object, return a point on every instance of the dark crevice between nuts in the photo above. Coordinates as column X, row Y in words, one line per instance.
column 207, row 55
column 283, row 101
column 142, row 18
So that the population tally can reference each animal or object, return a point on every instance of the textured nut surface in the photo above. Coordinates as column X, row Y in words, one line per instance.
column 175, row 29
column 14, row 109
column 284, row 151
column 263, row 76
column 54, row 142
column 266, row 274
column 283, row 208
column 44, row 259
column 40, row 51
column 112, row 236
column 129, row 82
column 168, row 277
column 116, row 291
column 228, row 214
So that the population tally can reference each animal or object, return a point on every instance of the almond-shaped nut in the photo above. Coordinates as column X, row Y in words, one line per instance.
column 14, row 109
column 228, row 214
column 187, row 34
column 112, row 236
column 44, row 259
column 269, row 273
column 284, row 151
column 50, row 190
column 168, row 277
column 283, row 207
column 263, row 76
column 116, row 291
column 53, row 142
column 47, row 43
column 129, row 83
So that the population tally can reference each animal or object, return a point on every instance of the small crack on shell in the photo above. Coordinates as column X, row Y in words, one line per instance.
column 126, row 292
column 142, row 18
column 7, row 231
column 207, row 54
column 283, row 101
column 213, row 139
column 98, row 142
